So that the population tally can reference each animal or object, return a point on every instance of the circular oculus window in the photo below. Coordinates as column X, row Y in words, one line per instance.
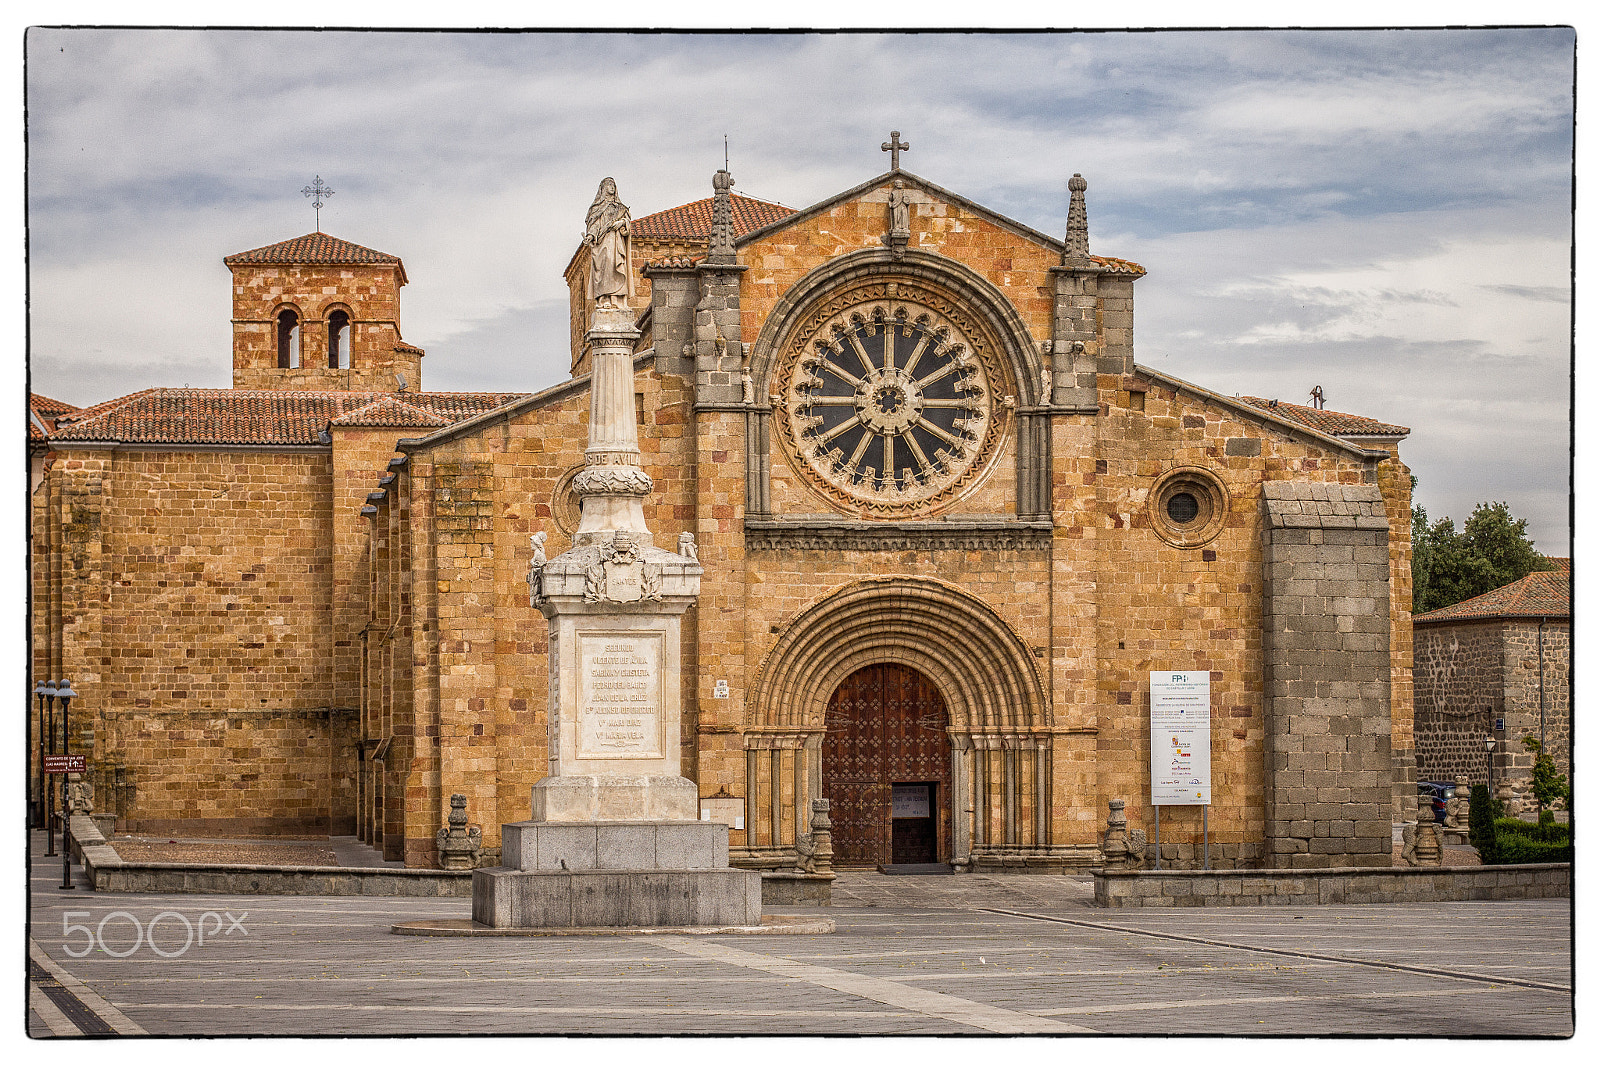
column 889, row 407
column 1188, row 507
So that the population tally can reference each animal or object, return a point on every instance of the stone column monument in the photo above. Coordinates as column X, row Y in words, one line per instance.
column 614, row 839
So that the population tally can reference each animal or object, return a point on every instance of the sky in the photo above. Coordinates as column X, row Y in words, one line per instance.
column 1384, row 213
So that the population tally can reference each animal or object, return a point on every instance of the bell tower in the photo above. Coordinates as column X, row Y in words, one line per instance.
column 320, row 313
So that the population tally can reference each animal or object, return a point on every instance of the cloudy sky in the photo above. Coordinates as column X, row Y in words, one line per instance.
column 1387, row 214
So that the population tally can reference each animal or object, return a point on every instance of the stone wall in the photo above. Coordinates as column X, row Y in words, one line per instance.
column 1460, row 691
column 194, row 619
column 1471, row 675
column 1300, row 888
column 1326, row 636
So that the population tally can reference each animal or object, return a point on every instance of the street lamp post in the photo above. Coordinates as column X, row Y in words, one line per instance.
column 1489, row 744
column 39, row 690
column 47, row 693
column 64, row 691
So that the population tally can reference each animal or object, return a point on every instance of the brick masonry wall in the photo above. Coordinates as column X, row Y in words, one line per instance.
column 371, row 296
column 1327, row 669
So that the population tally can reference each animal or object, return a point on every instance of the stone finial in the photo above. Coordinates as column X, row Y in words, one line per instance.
column 459, row 847
column 821, row 837
column 722, row 253
column 1077, row 250
column 1457, row 809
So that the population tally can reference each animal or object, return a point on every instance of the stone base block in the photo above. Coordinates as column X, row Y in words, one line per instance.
column 574, row 846
column 616, row 798
column 535, row 899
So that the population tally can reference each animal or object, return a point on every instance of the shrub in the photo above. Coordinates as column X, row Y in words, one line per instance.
column 1480, row 825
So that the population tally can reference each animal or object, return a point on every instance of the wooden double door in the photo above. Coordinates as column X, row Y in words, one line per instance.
column 886, row 768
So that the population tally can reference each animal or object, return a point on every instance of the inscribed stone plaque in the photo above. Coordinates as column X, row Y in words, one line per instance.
column 619, row 696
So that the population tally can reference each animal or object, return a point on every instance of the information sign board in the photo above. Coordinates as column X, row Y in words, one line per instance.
column 1180, row 737
column 66, row 764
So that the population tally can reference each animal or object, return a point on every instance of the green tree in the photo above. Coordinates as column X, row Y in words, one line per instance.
column 1492, row 549
column 1548, row 785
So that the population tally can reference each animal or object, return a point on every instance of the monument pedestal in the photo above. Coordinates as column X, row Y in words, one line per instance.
column 614, row 841
column 611, row 874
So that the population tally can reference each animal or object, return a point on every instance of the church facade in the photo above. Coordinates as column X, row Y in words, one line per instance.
column 948, row 528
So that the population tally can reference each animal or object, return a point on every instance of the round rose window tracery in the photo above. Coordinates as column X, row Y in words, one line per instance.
column 889, row 405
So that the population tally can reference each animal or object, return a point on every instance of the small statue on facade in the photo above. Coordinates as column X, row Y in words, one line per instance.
column 747, row 386
column 686, row 546
column 459, row 847
column 899, row 209
column 607, row 231
column 536, row 570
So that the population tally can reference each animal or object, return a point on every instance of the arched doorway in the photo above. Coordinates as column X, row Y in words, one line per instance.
column 886, row 768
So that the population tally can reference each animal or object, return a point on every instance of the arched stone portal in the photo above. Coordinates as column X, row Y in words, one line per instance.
column 999, row 735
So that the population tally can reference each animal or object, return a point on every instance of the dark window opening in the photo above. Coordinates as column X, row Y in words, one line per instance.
column 338, row 340
column 1183, row 508
column 288, row 339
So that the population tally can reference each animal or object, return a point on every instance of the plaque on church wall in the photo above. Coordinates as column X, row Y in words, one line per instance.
column 619, row 696
column 1180, row 737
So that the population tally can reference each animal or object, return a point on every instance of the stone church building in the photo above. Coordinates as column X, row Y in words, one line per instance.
column 948, row 526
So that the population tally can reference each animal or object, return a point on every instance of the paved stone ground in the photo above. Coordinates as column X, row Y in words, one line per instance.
column 912, row 955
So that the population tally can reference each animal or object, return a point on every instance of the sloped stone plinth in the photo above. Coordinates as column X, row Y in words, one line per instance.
column 523, row 899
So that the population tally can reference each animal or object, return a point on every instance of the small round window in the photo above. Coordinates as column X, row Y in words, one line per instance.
column 1188, row 507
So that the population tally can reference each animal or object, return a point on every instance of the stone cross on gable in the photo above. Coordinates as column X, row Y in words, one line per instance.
column 894, row 146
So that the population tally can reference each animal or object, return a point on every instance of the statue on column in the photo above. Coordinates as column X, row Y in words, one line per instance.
column 607, row 231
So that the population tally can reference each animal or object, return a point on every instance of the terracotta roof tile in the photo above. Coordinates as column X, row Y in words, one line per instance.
column 1119, row 266
column 265, row 416
column 391, row 412
column 1333, row 423
column 316, row 248
column 677, row 261
column 1542, row 594
column 693, row 221
column 43, row 412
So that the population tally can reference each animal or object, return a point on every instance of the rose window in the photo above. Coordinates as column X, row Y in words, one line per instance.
column 890, row 405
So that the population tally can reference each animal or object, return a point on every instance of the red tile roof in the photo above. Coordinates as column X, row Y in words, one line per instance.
column 390, row 411
column 316, row 248
column 1542, row 594
column 1333, row 423
column 693, row 221
column 265, row 416
column 44, row 412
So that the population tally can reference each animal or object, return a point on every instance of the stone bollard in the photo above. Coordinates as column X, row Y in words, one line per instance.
column 821, row 837
column 459, row 847
column 1421, row 840
column 1122, row 848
